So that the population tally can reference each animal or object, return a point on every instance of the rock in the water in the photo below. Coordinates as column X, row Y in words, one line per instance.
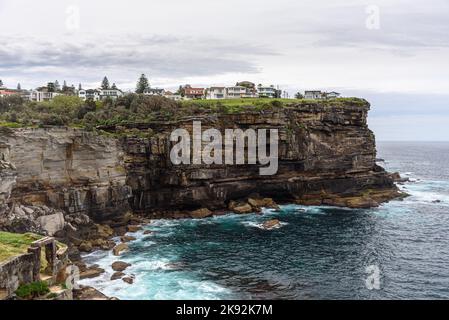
column 120, row 266
column 108, row 245
column 147, row 232
column 242, row 209
column 117, row 250
column 262, row 203
column 133, row 228
column 91, row 272
column 117, row 275
column 362, row 203
column 397, row 178
column 127, row 238
column 128, row 280
column 201, row 213
column 271, row 224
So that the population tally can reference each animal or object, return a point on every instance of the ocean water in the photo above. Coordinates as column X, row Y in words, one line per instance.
column 317, row 253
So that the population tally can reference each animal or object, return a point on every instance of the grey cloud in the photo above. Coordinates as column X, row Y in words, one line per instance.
column 162, row 56
column 401, row 29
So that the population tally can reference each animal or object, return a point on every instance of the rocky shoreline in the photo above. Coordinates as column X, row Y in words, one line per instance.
column 83, row 188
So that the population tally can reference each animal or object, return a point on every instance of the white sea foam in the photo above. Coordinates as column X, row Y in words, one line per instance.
column 260, row 225
column 430, row 192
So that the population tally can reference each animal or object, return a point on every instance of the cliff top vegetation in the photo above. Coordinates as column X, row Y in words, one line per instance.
column 135, row 108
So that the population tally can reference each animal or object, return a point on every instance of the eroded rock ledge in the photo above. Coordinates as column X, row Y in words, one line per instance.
column 326, row 156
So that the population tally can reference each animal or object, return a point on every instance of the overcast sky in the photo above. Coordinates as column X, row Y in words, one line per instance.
column 394, row 53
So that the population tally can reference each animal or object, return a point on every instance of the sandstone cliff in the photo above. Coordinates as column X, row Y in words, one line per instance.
column 67, row 169
column 7, row 178
column 326, row 156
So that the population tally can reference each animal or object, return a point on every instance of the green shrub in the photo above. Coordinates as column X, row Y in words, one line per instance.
column 32, row 290
column 137, row 108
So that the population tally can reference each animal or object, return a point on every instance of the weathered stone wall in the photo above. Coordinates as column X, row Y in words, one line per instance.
column 68, row 169
column 16, row 271
column 26, row 268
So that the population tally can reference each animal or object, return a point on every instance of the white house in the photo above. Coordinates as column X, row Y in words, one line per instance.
column 332, row 95
column 173, row 96
column 99, row 94
column 154, row 92
column 266, row 92
column 216, row 93
column 39, row 96
column 92, row 94
column 110, row 93
column 235, row 92
column 313, row 94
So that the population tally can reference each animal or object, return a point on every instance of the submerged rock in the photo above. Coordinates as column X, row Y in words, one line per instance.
column 117, row 275
column 118, row 249
column 120, row 266
column 271, row 224
column 128, row 280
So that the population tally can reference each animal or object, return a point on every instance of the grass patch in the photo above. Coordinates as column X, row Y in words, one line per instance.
column 239, row 105
column 16, row 244
column 12, row 125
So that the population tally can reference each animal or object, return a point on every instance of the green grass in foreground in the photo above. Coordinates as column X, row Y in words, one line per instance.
column 15, row 244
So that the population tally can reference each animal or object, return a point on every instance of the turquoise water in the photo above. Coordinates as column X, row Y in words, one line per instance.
column 318, row 253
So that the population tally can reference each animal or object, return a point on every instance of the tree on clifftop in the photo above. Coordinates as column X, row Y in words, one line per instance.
column 51, row 87
column 1, row 83
column 298, row 95
column 142, row 84
column 105, row 83
column 19, row 87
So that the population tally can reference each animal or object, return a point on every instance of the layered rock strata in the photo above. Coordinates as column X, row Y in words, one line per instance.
column 326, row 156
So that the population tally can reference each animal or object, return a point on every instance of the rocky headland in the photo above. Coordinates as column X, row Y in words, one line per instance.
column 83, row 187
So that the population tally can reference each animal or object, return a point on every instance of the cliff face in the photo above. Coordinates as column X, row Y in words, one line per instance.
column 67, row 169
column 326, row 156
column 7, row 178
